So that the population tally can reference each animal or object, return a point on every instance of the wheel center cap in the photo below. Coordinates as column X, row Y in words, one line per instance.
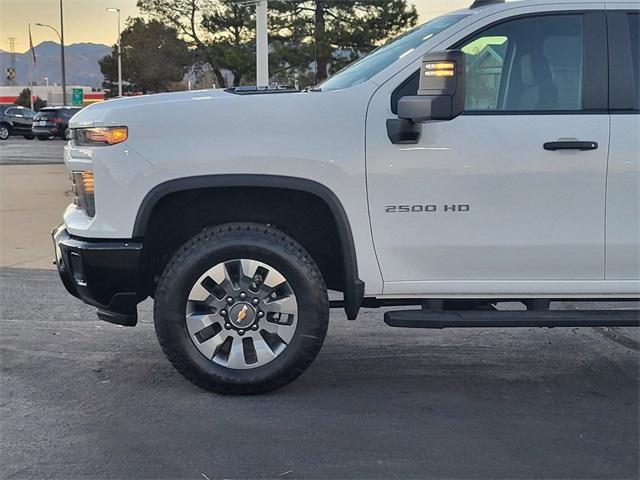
column 242, row 315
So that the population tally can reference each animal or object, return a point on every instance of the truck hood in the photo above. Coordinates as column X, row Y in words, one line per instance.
column 112, row 112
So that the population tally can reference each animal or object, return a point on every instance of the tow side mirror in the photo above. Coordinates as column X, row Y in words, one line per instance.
column 441, row 89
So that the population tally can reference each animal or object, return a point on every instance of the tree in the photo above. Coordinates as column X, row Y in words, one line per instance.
column 153, row 57
column 23, row 100
column 333, row 33
column 326, row 33
column 233, row 46
column 187, row 16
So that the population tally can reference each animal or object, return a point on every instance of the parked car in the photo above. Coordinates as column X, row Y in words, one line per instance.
column 15, row 120
column 51, row 122
column 489, row 156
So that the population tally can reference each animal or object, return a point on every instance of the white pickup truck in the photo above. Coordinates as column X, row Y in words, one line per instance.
column 489, row 155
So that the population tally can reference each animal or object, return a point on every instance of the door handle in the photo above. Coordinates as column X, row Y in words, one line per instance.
column 570, row 145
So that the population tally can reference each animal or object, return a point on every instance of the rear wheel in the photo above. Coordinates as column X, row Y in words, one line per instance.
column 241, row 308
column 4, row 132
column 29, row 137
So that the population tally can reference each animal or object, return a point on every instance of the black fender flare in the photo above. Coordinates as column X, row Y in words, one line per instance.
column 353, row 286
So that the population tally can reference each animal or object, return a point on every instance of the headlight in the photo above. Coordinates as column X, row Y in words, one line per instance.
column 100, row 135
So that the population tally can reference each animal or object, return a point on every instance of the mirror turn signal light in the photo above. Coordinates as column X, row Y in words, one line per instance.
column 440, row 69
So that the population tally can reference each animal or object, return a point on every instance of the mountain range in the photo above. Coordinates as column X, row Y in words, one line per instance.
column 81, row 63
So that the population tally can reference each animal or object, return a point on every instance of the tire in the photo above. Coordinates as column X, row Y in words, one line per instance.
column 195, row 333
column 5, row 132
column 41, row 137
column 29, row 137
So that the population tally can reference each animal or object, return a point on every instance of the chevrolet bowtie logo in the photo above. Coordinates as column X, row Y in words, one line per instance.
column 242, row 314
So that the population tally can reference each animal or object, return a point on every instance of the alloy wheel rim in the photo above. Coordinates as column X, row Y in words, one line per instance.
column 241, row 314
column 4, row 133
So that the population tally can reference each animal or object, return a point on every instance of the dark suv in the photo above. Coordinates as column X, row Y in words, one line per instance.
column 53, row 122
column 15, row 120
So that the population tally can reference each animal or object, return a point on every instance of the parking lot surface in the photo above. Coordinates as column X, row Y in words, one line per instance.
column 34, row 191
column 86, row 399
column 20, row 151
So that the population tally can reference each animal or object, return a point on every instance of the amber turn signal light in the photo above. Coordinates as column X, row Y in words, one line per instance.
column 100, row 135
column 440, row 69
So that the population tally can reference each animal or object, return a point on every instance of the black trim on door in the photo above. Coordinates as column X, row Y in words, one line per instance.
column 622, row 88
column 594, row 53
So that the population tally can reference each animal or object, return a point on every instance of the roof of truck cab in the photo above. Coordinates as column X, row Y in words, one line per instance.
column 541, row 2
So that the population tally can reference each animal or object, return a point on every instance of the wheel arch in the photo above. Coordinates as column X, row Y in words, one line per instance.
column 353, row 286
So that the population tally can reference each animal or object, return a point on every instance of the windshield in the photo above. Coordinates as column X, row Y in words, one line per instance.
column 363, row 69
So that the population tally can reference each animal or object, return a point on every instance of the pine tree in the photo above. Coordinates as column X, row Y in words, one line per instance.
column 153, row 57
column 330, row 34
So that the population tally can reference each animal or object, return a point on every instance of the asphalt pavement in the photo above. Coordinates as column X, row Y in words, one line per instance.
column 85, row 399
column 20, row 151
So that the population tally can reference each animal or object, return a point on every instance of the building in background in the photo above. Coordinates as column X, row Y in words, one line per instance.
column 51, row 94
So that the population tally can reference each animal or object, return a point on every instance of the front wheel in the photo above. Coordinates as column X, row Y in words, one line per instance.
column 241, row 308
column 29, row 137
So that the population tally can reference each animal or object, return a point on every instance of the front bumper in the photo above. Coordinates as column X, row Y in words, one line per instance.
column 102, row 273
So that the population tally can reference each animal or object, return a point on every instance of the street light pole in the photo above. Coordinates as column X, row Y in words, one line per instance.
column 117, row 10
column 64, row 76
column 64, row 81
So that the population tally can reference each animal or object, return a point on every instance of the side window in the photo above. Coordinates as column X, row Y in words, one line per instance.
column 485, row 64
column 11, row 112
column 527, row 64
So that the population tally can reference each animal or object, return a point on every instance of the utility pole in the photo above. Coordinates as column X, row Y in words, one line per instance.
column 262, row 44
column 64, row 76
column 262, row 40
column 117, row 10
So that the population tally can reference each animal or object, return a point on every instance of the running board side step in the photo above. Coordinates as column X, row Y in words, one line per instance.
column 512, row 318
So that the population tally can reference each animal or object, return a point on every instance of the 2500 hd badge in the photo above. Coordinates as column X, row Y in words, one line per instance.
column 426, row 208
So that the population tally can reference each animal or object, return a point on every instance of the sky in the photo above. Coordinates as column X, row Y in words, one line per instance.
column 88, row 20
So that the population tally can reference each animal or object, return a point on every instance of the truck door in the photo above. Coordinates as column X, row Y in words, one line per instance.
column 623, row 179
column 493, row 195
